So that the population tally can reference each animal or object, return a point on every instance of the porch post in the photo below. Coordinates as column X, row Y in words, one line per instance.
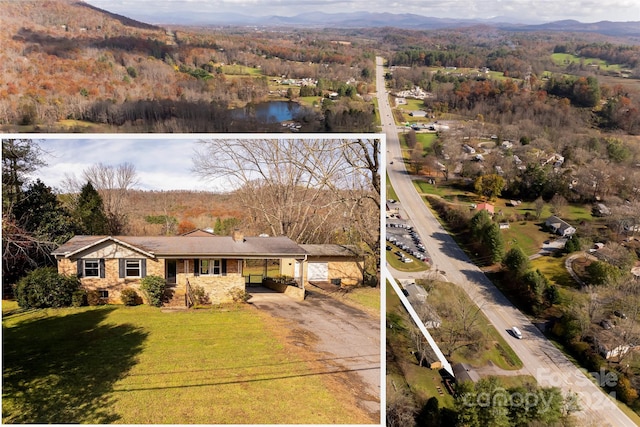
column 302, row 267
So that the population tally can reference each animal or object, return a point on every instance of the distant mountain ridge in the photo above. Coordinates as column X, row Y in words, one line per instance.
column 404, row 20
column 630, row 28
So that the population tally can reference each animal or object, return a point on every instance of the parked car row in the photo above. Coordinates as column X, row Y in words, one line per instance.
column 407, row 239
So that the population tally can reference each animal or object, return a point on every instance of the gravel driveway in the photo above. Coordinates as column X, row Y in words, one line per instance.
column 347, row 339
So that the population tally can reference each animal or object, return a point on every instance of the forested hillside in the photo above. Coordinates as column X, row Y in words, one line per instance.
column 66, row 66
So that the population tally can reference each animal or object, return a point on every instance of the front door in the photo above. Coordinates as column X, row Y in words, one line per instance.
column 172, row 271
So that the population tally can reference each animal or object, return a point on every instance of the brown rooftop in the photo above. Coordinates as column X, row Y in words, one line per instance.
column 331, row 250
column 192, row 246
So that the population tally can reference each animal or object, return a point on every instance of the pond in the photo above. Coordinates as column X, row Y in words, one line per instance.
column 269, row 112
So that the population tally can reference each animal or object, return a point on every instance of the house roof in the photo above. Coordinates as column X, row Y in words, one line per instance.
column 611, row 339
column 192, row 246
column 416, row 291
column 558, row 223
column 485, row 206
column 464, row 372
column 332, row 250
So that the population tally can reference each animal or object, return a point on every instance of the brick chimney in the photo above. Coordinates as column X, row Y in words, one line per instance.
column 237, row 235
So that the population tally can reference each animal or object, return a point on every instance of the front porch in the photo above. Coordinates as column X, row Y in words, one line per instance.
column 195, row 281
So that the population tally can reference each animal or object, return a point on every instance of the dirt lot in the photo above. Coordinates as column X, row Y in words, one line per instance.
column 342, row 340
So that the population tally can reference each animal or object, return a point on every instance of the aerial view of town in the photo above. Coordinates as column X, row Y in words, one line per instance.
column 242, row 213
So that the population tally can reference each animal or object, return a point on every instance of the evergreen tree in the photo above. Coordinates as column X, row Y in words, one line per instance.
column 478, row 223
column 572, row 244
column 217, row 228
column 552, row 295
column 19, row 158
column 90, row 211
column 536, row 283
column 516, row 262
column 492, row 238
column 466, row 404
column 493, row 410
column 39, row 212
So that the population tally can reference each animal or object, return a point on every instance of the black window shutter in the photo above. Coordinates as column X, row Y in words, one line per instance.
column 143, row 268
column 102, row 265
column 80, row 268
column 224, row 267
column 196, row 267
column 121, row 268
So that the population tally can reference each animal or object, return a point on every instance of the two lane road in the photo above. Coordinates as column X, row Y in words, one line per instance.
column 540, row 357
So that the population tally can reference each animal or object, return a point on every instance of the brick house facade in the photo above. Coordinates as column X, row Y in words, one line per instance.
column 110, row 264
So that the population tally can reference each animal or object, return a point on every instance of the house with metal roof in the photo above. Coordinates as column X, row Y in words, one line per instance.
column 109, row 264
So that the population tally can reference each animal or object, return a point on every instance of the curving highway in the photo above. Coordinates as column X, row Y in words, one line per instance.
column 540, row 357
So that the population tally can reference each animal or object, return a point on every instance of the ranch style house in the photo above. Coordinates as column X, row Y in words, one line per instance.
column 224, row 266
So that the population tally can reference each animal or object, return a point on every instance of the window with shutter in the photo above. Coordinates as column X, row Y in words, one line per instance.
column 91, row 268
column 133, row 268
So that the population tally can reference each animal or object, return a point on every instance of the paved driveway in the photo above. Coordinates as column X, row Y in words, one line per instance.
column 347, row 340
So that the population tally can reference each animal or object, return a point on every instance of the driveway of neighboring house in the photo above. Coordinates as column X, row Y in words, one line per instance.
column 344, row 339
column 549, row 247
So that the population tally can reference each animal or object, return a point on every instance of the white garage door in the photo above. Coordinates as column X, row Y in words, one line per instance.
column 318, row 272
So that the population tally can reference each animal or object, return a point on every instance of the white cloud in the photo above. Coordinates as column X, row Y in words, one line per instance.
column 161, row 164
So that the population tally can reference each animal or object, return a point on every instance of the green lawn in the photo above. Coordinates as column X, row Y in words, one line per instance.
column 499, row 75
column 396, row 263
column 426, row 139
column 412, row 105
column 564, row 59
column 526, row 235
column 115, row 364
column 241, row 70
column 391, row 193
column 448, row 193
column 554, row 269
column 311, row 101
column 366, row 298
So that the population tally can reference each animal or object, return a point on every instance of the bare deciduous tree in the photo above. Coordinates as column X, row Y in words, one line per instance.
column 299, row 187
column 539, row 206
column 113, row 183
column 401, row 409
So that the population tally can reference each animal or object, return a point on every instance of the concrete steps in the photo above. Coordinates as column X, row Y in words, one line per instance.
column 174, row 297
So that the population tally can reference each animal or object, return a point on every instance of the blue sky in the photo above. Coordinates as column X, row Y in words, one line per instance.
column 525, row 11
column 161, row 163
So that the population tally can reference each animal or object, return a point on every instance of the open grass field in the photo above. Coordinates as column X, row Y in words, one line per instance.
column 137, row 365
column 554, row 269
column 426, row 139
column 526, row 235
column 564, row 59
column 241, row 70
column 310, row 101
column 411, row 105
